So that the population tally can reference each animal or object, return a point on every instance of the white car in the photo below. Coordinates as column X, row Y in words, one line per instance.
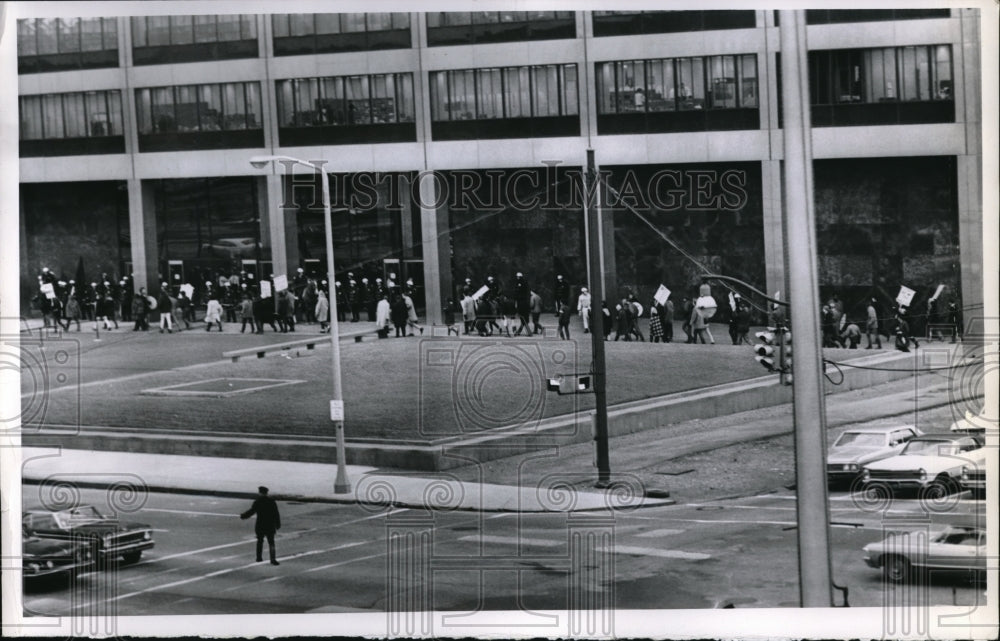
column 858, row 447
column 953, row 548
column 930, row 463
column 974, row 474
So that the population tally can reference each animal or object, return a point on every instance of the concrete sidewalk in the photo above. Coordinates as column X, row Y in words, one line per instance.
column 312, row 482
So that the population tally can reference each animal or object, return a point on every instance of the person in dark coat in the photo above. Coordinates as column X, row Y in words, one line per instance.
column 399, row 314
column 268, row 522
column 561, row 291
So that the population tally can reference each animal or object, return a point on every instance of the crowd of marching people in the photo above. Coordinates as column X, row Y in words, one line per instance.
column 487, row 309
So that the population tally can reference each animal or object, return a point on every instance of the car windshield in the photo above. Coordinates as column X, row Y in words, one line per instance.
column 79, row 516
column 866, row 439
column 958, row 536
column 920, row 447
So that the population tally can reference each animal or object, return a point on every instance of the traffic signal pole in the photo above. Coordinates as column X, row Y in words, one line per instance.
column 815, row 583
column 594, row 238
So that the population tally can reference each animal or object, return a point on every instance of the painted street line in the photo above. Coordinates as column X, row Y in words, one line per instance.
column 656, row 533
column 512, row 540
column 192, row 512
column 666, row 554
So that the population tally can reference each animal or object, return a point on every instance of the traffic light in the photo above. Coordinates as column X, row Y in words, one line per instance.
column 786, row 356
column 571, row 384
column 774, row 352
column 766, row 351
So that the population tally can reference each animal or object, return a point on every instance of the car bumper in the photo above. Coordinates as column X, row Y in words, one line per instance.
column 56, row 571
column 118, row 550
column 900, row 483
column 872, row 563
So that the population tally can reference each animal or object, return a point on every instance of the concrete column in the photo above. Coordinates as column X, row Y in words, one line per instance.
column 435, row 235
column 774, row 233
column 968, row 107
column 274, row 225
column 142, row 231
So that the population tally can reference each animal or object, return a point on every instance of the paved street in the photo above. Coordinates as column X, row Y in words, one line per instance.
column 335, row 558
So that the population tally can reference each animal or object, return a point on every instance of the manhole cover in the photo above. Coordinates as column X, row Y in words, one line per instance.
column 219, row 387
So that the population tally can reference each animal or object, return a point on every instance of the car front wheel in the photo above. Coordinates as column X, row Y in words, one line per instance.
column 896, row 569
column 939, row 489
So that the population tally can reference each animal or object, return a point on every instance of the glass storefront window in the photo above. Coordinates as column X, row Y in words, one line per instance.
column 26, row 44
column 490, row 94
column 912, row 74
column 198, row 108
column 69, row 35
column 90, row 34
column 404, row 97
column 157, row 31
column 511, row 92
column 353, row 100
column 47, row 39
column 358, row 105
column 181, row 30
column 71, row 115
column 942, row 73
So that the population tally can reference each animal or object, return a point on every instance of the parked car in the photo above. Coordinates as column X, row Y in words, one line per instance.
column 109, row 537
column 857, row 447
column 930, row 463
column 972, row 423
column 232, row 247
column 47, row 558
column 953, row 548
column 974, row 474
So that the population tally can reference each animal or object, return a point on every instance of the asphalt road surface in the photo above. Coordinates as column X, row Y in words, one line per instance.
column 338, row 558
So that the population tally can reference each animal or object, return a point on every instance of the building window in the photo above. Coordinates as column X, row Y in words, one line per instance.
column 60, row 44
column 463, row 27
column 172, row 39
column 629, row 23
column 509, row 102
column 346, row 109
column 213, row 116
column 311, row 33
column 71, row 124
column 678, row 94
column 896, row 85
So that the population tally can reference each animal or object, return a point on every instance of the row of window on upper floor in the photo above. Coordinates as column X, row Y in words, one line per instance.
column 848, row 87
column 55, row 44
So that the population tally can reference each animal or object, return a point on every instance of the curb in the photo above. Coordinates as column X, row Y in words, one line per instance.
column 162, row 489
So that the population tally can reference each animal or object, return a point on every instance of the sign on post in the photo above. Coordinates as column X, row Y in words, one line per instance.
column 336, row 410
column 937, row 292
column 905, row 296
column 662, row 294
column 280, row 283
column 482, row 290
column 188, row 290
column 49, row 291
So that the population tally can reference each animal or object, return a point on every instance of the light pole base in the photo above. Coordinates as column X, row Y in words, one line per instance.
column 341, row 488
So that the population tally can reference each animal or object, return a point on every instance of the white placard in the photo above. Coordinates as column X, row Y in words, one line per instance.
column 188, row 290
column 482, row 290
column 905, row 296
column 280, row 283
column 662, row 294
column 49, row 291
column 336, row 410
column 732, row 301
column 265, row 289
column 937, row 292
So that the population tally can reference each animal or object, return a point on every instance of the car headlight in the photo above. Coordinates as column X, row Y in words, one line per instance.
column 867, row 475
column 851, row 467
column 107, row 539
column 33, row 567
column 965, row 472
column 147, row 535
column 49, row 564
column 923, row 474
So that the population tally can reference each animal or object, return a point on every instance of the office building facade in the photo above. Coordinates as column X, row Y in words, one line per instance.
column 455, row 143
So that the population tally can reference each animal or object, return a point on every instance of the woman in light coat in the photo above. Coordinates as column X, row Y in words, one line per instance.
column 213, row 314
column 322, row 311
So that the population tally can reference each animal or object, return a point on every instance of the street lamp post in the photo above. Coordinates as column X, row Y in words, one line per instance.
column 342, row 485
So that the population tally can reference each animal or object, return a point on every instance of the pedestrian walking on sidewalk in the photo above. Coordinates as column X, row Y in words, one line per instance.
column 268, row 522
column 564, row 314
column 871, row 325
column 165, row 306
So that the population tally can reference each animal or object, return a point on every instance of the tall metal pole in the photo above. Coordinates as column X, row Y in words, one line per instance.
column 594, row 237
column 341, row 485
column 815, row 584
